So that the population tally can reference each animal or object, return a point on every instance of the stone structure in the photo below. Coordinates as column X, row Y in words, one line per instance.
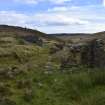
column 93, row 54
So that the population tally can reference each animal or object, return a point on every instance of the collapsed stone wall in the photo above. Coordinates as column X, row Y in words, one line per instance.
column 91, row 54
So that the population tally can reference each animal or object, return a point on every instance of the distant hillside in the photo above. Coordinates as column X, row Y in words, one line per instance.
column 78, row 37
column 100, row 35
column 20, row 30
column 29, row 35
column 69, row 34
column 32, row 35
column 75, row 37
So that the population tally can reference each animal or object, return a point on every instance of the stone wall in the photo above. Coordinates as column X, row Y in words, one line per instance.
column 93, row 54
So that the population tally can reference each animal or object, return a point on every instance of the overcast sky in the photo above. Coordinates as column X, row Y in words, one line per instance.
column 55, row 16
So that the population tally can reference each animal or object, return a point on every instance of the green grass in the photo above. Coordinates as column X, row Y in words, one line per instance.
column 58, row 88
column 26, row 79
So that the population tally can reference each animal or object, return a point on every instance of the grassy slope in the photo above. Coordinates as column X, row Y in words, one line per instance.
column 16, row 31
column 35, row 85
column 26, row 79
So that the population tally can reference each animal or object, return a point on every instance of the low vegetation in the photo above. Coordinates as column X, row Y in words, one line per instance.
column 50, row 74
